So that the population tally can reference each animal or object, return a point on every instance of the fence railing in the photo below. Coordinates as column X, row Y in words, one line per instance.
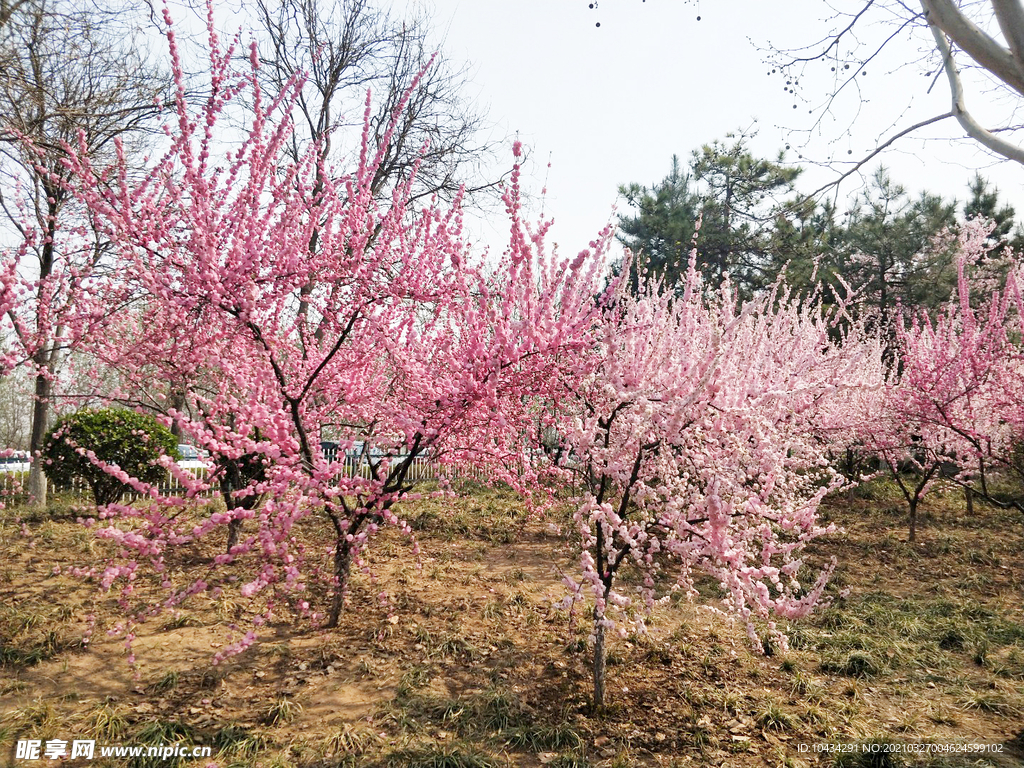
column 14, row 485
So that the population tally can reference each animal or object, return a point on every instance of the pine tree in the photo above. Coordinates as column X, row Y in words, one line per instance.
column 748, row 231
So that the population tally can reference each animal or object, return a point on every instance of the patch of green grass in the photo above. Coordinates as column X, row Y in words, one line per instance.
column 414, row 679
column 514, row 575
column 239, row 742
column 487, row 514
column 875, row 633
column 413, row 711
column 803, row 686
column 1009, row 664
column 494, row 710
column 167, row 683
column 702, row 737
column 451, row 646
column 181, row 620
column 960, row 761
column 159, row 733
column 12, row 686
column 24, row 642
column 545, row 738
column 856, row 664
column 814, row 715
column 994, row 703
column 437, row 756
column 11, row 656
column 498, row 709
column 107, row 722
column 352, row 740
column 771, row 717
column 35, row 718
column 570, row 760
column 869, row 754
column 14, row 621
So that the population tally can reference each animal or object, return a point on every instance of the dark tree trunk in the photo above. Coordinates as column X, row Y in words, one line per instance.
column 234, row 528
column 913, row 519
column 342, row 564
column 176, row 401
column 44, row 359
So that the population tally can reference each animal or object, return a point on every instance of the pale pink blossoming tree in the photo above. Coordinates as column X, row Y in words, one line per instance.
column 962, row 373
column 702, row 433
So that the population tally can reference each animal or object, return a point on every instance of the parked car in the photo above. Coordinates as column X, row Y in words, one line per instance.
column 19, row 461
column 193, row 457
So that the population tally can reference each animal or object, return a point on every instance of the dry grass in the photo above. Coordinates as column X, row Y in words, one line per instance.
column 469, row 664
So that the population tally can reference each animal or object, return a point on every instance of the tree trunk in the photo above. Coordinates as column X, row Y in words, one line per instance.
column 45, row 358
column 969, row 498
column 600, row 662
column 234, row 527
column 228, row 482
column 913, row 520
column 342, row 562
column 176, row 400
column 40, row 414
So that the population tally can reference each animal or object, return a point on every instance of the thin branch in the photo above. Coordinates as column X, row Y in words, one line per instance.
column 877, row 151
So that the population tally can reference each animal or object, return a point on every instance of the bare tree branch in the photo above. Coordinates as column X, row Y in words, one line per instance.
column 975, row 42
column 971, row 126
column 1010, row 16
column 345, row 47
column 877, row 151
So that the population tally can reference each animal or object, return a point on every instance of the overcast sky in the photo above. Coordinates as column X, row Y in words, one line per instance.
column 611, row 104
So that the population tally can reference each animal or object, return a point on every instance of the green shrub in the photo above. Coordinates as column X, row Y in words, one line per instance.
column 131, row 441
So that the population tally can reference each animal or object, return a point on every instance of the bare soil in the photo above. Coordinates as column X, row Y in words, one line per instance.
column 468, row 662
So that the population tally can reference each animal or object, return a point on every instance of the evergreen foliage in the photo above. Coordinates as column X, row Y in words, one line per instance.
column 745, row 221
column 82, row 442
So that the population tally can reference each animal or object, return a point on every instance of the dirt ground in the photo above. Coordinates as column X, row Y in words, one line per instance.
column 468, row 662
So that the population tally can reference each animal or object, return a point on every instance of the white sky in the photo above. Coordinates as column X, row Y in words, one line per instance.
column 610, row 105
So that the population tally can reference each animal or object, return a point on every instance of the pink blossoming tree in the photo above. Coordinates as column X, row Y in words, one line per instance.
column 959, row 391
column 702, row 433
column 294, row 306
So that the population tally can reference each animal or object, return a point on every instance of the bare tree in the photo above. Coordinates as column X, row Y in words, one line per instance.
column 976, row 46
column 1003, row 60
column 15, row 410
column 343, row 48
column 8, row 9
column 66, row 74
column 952, row 37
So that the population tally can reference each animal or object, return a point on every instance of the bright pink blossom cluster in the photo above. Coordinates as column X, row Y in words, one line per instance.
column 283, row 304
